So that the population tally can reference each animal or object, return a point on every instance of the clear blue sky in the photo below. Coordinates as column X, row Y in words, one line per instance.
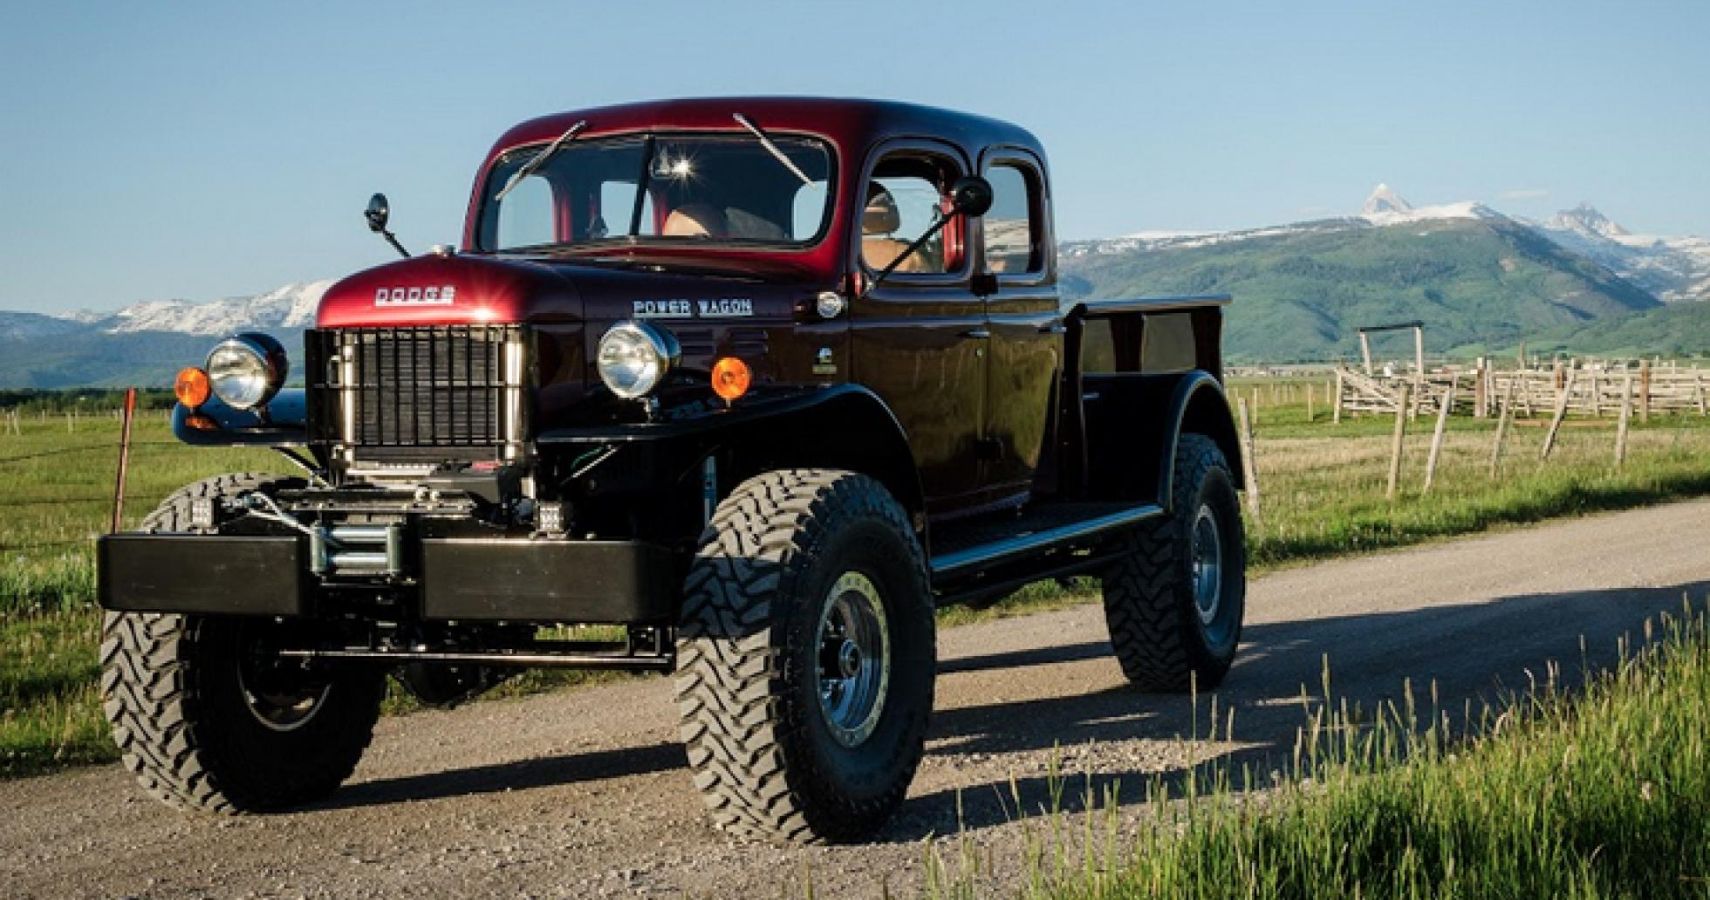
column 151, row 151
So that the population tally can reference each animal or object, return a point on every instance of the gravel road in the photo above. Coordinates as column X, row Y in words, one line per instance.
column 584, row 793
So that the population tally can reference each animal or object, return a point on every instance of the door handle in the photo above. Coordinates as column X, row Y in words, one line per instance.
column 977, row 333
column 1054, row 328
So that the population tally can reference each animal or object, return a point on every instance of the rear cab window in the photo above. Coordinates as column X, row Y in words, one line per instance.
column 1012, row 231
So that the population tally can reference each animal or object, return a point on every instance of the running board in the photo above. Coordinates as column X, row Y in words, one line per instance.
column 972, row 559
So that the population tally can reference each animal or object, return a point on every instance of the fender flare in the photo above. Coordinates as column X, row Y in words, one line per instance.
column 1198, row 405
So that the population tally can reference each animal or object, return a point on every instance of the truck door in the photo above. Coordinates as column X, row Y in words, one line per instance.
column 1024, row 319
column 919, row 337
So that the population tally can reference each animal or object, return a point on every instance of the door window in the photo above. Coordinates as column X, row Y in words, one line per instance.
column 1012, row 232
column 905, row 198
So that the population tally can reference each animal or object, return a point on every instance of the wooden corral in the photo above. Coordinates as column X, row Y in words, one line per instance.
column 1591, row 387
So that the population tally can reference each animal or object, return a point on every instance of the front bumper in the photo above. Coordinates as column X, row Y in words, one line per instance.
column 516, row 580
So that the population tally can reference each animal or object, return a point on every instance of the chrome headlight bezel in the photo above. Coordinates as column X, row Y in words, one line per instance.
column 634, row 357
column 246, row 370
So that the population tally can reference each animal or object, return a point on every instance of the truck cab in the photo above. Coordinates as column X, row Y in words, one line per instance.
column 758, row 384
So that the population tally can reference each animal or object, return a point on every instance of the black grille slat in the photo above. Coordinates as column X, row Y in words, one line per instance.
column 441, row 386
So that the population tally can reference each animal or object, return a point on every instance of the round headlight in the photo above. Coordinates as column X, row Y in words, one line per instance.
column 246, row 371
column 634, row 357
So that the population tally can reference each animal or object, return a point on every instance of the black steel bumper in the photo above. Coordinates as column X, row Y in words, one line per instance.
column 619, row 582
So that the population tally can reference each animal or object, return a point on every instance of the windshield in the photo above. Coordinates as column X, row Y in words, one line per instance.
column 660, row 189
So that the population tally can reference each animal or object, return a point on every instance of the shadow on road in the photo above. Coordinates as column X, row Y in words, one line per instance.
column 521, row 775
column 1474, row 654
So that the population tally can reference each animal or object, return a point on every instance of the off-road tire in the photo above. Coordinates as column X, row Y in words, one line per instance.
column 760, row 746
column 171, row 692
column 1149, row 597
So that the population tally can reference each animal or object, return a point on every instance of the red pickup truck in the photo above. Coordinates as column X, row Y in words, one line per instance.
column 736, row 389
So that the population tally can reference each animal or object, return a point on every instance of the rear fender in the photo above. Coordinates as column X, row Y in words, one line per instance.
column 1134, row 423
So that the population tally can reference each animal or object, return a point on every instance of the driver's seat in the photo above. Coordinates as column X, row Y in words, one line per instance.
column 879, row 221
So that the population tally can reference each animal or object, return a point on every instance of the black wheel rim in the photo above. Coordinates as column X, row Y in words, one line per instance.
column 280, row 694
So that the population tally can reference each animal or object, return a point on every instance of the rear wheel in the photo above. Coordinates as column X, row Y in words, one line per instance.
column 207, row 717
column 806, row 657
column 1175, row 599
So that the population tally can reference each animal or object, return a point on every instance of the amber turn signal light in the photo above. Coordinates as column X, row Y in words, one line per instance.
column 191, row 387
column 730, row 378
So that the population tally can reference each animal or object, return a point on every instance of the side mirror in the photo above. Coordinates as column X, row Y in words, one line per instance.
column 377, row 213
column 971, row 195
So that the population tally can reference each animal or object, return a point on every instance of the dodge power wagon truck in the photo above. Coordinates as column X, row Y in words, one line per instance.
column 735, row 389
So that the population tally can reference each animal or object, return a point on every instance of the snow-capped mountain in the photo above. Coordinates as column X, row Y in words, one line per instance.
column 1385, row 201
column 292, row 306
column 1672, row 268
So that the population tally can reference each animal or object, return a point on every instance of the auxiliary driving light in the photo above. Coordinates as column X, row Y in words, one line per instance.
column 731, row 378
column 247, row 370
column 191, row 387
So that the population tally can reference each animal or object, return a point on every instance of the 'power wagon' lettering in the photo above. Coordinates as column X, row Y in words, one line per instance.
column 690, row 309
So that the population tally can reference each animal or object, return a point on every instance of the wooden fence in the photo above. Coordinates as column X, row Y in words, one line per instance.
column 1593, row 390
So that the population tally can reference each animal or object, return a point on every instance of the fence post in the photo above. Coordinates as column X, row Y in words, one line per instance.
column 1504, row 416
column 1395, row 447
column 1336, row 403
column 1437, row 439
column 1621, row 423
column 1644, row 391
column 1698, row 384
column 124, row 458
column 1556, row 420
column 1481, row 397
column 1309, row 410
column 1248, row 466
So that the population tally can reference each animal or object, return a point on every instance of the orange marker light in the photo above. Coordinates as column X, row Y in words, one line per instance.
column 730, row 378
column 191, row 387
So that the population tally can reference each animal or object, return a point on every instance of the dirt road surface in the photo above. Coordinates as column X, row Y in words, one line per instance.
column 584, row 793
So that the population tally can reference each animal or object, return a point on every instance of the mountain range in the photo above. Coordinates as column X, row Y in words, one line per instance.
column 1481, row 280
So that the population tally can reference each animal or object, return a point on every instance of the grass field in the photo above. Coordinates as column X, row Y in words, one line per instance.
column 1322, row 494
column 1600, row 793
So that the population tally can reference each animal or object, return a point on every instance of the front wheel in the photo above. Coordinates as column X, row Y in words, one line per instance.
column 207, row 717
column 1176, row 596
column 806, row 657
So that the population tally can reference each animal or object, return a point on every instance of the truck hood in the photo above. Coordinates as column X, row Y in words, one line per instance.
column 478, row 290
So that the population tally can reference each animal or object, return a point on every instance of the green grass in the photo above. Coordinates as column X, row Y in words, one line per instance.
column 1604, row 792
column 1322, row 496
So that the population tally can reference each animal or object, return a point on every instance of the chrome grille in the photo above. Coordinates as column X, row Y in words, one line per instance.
column 422, row 387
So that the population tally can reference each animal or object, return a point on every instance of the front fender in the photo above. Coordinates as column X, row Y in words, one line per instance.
column 283, row 422
column 843, row 426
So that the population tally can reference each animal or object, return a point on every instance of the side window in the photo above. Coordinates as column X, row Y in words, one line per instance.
column 905, row 198
column 1013, row 236
column 526, row 217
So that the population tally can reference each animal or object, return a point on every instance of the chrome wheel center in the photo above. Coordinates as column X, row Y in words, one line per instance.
column 1207, row 565
column 854, row 668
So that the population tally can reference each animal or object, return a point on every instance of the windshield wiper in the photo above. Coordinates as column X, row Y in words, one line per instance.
column 539, row 159
column 771, row 147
